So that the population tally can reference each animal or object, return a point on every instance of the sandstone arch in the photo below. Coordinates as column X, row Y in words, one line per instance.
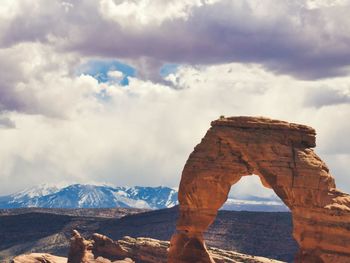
column 281, row 154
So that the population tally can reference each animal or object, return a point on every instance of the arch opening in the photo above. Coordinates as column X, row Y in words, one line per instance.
column 251, row 194
column 245, row 223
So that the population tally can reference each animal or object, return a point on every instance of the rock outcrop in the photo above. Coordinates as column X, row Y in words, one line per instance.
column 101, row 249
column 281, row 154
column 39, row 258
column 150, row 250
column 80, row 250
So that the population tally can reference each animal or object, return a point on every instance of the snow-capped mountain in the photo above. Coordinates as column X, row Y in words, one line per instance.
column 254, row 203
column 44, row 189
column 91, row 196
column 103, row 196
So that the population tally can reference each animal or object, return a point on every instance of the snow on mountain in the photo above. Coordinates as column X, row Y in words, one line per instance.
column 44, row 189
column 106, row 196
column 255, row 203
column 91, row 196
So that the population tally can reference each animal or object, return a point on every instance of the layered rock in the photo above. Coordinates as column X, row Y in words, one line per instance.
column 39, row 258
column 101, row 249
column 281, row 154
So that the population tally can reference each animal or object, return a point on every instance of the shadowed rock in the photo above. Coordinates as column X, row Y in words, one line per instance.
column 280, row 154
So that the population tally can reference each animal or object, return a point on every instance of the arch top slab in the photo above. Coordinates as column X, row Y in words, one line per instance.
column 281, row 154
column 300, row 135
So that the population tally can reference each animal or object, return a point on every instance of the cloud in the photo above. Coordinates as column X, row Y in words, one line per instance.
column 305, row 39
column 145, row 12
column 115, row 74
column 33, row 78
column 326, row 96
column 142, row 133
column 196, row 61
column 314, row 4
column 6, row 123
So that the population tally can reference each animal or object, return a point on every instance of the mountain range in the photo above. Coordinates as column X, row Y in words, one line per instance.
column 104, row 196
column 91, row 196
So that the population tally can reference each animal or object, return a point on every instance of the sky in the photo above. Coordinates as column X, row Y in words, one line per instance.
column 120, row 91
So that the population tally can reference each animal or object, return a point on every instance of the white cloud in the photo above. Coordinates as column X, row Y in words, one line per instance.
column 314, row 4
column 67, row 6
column 143, row 133
column 8, row 9
column 115, row 75
column 73, row 128
column 145, row 12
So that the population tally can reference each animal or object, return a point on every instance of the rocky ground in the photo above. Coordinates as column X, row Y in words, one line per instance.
column 45, row 231
column 101, row 249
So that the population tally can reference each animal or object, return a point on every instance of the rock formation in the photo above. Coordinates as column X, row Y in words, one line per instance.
column 101, row 249
column 281, row 154
column 80, row 250
column 39, row 258
column 151, row 250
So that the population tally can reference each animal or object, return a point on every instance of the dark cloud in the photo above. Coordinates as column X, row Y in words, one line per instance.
column 27, row 73
column 10, row 74
column 6, row 123
column 325, row 96
column 286, row 37
column 225, row 32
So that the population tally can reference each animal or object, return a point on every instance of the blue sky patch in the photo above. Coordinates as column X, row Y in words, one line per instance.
column 167, row 69
column 99, row 70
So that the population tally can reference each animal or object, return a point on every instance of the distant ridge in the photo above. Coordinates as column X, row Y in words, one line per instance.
column 106, row 196
column 91, row 196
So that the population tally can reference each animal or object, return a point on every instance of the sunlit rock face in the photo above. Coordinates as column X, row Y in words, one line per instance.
column 281, row 154
column 39, row 258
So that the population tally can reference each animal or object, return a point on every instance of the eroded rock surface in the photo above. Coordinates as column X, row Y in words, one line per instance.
column 39, row 258
column 281, row 154
column 101, row 249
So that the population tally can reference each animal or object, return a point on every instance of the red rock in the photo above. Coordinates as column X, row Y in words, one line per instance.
column 145, row 250
column 100, row 249
column 105, row 247
column 281, row 154
column 80, row 250
column 39, row 258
